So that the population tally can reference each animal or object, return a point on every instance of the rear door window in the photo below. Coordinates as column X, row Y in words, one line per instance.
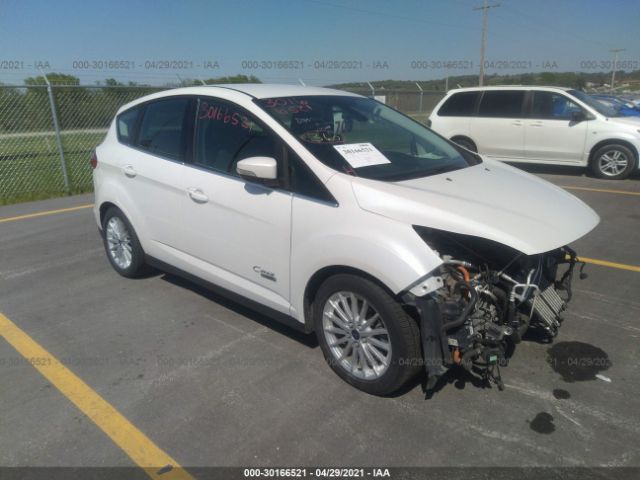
column 461, row 104
column 501, row 103
column 162, row 128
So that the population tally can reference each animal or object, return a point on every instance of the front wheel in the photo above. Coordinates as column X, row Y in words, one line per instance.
column 613, row 161
column 365, row 335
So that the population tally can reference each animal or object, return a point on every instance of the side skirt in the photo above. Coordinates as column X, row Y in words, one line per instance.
column 287, row 320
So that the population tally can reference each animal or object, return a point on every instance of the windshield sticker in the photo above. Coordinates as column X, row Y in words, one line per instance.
column 360, row 155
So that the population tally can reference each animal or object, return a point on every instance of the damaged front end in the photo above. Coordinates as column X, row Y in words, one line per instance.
column 478, row 304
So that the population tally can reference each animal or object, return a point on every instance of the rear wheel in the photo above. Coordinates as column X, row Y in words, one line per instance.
column 613, row 161
column 122, row 245
column 365, row 335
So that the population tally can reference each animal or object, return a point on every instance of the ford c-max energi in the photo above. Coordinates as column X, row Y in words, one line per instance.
column 547, row 125
column 339, row 215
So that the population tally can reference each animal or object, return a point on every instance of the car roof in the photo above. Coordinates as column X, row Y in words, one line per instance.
column 509, row 87
column 253, row 90
column 269, row 90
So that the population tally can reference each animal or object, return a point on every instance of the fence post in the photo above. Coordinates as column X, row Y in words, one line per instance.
column 421, row 94
column 56, row 127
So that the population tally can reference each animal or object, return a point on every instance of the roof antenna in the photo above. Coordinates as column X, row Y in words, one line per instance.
column 302, row 82
column 202, row 81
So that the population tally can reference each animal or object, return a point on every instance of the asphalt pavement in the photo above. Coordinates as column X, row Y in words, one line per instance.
column 211, row 382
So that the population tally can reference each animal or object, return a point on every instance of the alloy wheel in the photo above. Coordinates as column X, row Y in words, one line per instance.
column 356, row 335
column 613, row 163
column 119, row 243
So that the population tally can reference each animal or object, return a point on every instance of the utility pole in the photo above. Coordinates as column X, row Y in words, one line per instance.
column 485, row 9
column 615, row 52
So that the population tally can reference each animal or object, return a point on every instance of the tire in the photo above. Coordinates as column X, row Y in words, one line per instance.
column 128, row 258
column 465, row 143
column 613, row 162
column 402, row 338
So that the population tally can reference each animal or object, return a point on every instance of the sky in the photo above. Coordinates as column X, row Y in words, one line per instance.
column 317, row 41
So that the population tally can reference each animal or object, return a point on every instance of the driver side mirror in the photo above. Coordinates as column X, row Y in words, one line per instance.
column 577, row 117
column 259, row 169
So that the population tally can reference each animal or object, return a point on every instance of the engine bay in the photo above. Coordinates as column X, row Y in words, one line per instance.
column 490, row 296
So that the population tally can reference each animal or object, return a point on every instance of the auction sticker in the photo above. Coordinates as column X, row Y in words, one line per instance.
column 361, row 154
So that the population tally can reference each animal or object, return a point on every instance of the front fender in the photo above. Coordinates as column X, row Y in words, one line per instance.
column 598, row 138
column 386, row 249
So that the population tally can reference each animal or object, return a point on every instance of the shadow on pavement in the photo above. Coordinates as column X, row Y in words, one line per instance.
column 307, row 340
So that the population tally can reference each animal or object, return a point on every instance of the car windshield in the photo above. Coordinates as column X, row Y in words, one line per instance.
column 594, row 103
column 363, row 137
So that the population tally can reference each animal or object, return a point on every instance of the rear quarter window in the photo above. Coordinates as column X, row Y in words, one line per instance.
column 461, row 104
column 125, row 125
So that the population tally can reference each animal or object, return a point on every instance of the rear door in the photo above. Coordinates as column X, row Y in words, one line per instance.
column 550, row 134
column 498, row 127
column 152, row 169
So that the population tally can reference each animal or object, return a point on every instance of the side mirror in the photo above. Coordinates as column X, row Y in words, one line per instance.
column 577, row 117
column 258, row 169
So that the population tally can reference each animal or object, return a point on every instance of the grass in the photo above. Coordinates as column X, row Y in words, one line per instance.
column 30, row 167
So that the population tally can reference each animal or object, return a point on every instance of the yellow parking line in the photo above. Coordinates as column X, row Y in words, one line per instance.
column 46, row 212
column 605, row 263
column 156, row 463
column 601, row 190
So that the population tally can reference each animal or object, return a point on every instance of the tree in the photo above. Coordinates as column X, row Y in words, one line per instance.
column 233, row 79
column 54, row 79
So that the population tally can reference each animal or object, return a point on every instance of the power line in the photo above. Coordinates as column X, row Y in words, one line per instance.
column 543, row 23
column 485, row 9
column 388, row 14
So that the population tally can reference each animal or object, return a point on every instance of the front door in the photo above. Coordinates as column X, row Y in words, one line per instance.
column 240, row 230
column 551, row 135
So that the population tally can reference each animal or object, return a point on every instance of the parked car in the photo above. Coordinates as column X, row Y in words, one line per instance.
column 549, row 125
column 621, row 106
column 341, row 216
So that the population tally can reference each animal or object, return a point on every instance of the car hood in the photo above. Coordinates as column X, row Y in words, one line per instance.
column 633, row 121
column 490, row 200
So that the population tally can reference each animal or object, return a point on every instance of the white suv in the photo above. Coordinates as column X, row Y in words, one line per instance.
column 339, row 215
column 549, row 125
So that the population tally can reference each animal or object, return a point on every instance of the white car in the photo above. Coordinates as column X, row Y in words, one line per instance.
column 549, row 125
column 337, row 214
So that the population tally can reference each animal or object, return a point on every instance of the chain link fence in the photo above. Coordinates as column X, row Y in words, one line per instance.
column 416, row 104
column 47, row 133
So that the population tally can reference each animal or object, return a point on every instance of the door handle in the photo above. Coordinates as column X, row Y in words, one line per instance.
column 129, row 171
column 517, row 123
column 197, row 195
column 535, row 124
